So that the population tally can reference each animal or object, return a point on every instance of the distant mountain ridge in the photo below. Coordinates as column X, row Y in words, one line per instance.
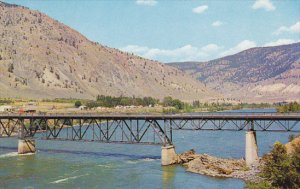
column 42, row 58
column 257, row 74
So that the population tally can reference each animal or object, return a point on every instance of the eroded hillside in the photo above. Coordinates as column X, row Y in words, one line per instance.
column 43, row 58
column 256, row 75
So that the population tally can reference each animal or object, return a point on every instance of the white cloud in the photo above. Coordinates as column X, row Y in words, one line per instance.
column 200, row 9
column 192, row 53
column 146, row 2
column 217, row 23
column 263, row 4
column 291, row 29
column 185, row 53
column 135, row 49
column 280, row 42
column 246, row 44
column 210, row 48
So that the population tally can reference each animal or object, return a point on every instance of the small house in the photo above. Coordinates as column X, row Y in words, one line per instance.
column 82, row 108
column 6, row 108
column 29, row 109
column 31, row 104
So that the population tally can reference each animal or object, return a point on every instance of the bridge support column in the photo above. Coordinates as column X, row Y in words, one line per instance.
column 168, row 155
column 26, row 146
column 251, row 150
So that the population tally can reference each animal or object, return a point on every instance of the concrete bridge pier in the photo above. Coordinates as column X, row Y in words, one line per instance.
column 251, row 150
column 25, row 144
column 168, row 155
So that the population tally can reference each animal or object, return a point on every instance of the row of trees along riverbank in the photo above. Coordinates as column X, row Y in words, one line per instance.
column 290, row 107
column 170, row 104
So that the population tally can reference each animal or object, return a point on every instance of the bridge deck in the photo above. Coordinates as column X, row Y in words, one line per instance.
column 207, row 116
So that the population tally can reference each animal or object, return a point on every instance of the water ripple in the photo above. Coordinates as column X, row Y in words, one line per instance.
column 88, row 153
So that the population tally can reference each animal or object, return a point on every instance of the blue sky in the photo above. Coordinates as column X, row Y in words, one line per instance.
column 178, row 30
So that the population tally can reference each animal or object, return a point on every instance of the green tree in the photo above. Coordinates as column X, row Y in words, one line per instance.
column 78, row 104
column 260, row 185
column 169, row 101
column 282, row 170
column 291, row 137
column 291, row 107
column 196, row 104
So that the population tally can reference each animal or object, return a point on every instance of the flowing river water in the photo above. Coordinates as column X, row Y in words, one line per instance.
column 67, row 164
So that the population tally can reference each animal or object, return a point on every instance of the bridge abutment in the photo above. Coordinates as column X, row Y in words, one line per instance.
column 26, row 146
column 251, row 150
column 168, row 155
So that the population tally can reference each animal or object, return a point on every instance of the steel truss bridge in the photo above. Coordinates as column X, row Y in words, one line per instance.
column 144, row 129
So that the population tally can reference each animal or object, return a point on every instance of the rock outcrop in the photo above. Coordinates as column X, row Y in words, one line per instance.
column 218, row 167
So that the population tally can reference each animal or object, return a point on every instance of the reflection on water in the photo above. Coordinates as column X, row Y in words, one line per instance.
column 168, row 176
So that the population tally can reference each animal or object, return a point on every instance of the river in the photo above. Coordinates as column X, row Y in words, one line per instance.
column 67, row 164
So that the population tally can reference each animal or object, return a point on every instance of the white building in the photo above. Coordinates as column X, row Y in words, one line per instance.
column 82, row 108
column 6, row 108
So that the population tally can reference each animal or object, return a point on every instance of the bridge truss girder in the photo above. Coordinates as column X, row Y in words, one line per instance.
column 148, row 131
column 237, row 125
column 145, row 130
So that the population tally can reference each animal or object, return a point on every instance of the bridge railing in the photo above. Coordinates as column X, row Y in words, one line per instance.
column 146, row 114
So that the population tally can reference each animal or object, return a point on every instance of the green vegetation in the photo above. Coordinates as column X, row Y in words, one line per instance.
column 292, row 137
column 167, row 105
column 260, row 185
column 291, row 107
column 78, row 104
column 281, row 170
column 109, row 101
column 66, row 100
column 177, row 106
column 170, row 110
column 169, row 101
column 197, row 106
column 213, row 107
column 5, row 101
column 170, row 104
column 252, row 106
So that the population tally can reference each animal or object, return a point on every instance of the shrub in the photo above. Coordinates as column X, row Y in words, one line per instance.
column 291, row 107
column 78, row 104
column 11, row 68
column 110, row 101
column 282, row 170
column 169, row 101
column 291, row 137
column 261, row 185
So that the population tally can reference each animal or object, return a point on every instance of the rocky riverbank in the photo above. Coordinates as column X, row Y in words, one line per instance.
column 218, row 167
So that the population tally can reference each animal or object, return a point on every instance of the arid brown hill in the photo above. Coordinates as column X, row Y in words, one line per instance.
column 265, row 74
column 42, row 58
